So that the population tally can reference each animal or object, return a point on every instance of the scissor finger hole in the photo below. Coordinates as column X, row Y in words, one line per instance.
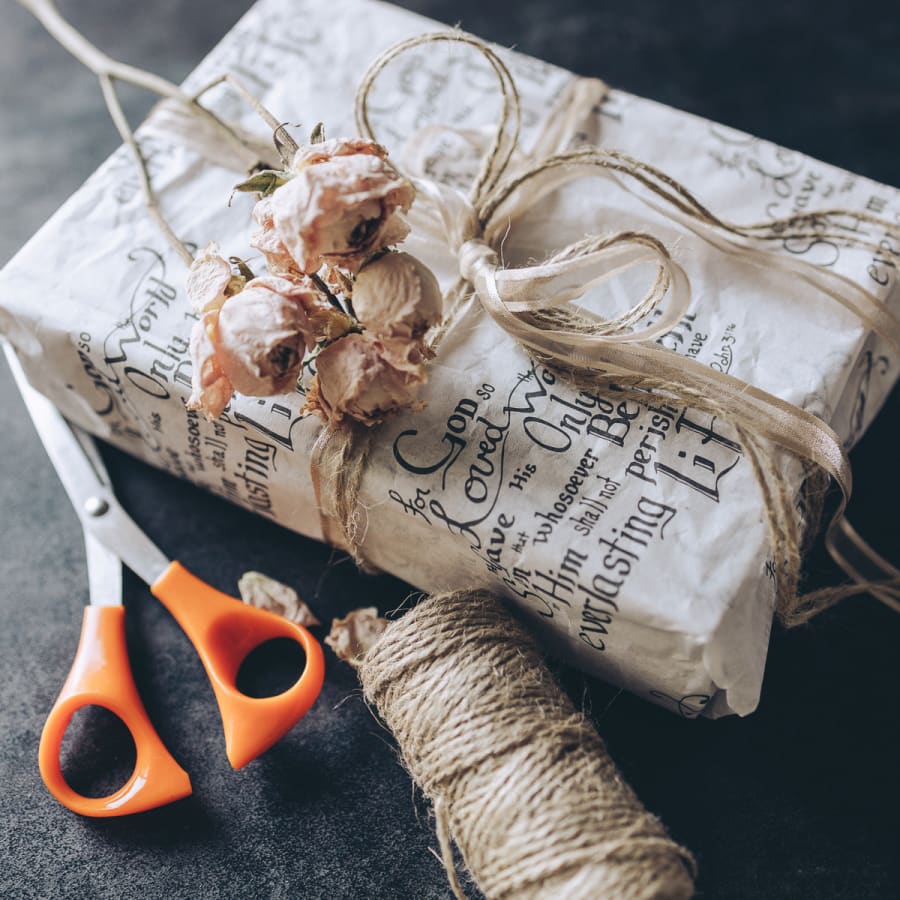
column 97, row 755
column 271, row 668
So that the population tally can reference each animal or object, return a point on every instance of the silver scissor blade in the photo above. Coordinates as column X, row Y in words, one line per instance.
column 84, row 477
column 104, row 573
column 89, row 449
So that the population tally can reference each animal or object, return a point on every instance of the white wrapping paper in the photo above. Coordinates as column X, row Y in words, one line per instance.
column 633, row 536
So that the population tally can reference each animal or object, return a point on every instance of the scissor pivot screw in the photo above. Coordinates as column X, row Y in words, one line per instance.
column 95, row 506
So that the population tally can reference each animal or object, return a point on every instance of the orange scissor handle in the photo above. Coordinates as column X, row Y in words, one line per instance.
column 101, row 676
column 223, row 631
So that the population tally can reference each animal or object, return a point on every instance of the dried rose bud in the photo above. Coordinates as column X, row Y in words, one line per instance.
column 210, row 388
column 263, row 334
column 397, row 295
column 340, row 211
column 265, row 239
column 363, row 377
column 210, row 281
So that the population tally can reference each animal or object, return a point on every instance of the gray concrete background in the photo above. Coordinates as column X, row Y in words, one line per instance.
column 798, row 800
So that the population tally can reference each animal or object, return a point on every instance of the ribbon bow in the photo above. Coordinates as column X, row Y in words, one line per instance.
column 534, row 304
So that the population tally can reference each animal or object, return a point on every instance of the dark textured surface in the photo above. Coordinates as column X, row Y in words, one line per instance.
column 798, row 800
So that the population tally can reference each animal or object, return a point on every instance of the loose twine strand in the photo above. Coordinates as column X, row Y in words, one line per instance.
column 227, row 142
column 517, row 776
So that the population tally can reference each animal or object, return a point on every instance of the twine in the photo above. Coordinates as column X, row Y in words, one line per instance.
column 519, row 779
column 337, row 464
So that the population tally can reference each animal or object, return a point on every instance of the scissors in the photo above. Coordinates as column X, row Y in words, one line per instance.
column 222, row 629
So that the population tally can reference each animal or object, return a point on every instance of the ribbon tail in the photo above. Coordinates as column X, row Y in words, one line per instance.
column 863, row 564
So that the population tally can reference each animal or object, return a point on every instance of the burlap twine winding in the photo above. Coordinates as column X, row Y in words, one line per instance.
column 519, row 778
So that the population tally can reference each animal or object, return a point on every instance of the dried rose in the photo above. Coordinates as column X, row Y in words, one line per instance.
column 211, row 389
column 363, row 377
column 397, row 295
column 265, row 239
column 263, row 333
column 210, row 281
column 340, row 211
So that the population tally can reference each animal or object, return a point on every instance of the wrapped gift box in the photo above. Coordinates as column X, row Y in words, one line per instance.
column 633, row 535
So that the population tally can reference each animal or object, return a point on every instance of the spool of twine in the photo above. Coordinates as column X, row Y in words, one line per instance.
column 518, row 778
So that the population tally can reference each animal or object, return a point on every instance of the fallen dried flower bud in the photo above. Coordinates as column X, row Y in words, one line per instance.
column 363, row 377
column 353, row 636
column 397, row 295
column 266, row 593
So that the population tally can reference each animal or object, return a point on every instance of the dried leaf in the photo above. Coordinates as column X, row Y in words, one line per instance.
column 266, row 593
column 242, row 267
column 354, row 635
column 263, row 183
column 286, row 146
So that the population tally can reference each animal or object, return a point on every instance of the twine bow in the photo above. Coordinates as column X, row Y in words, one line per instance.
column 534, row 305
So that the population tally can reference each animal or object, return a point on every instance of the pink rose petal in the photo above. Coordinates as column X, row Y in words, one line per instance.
column 209, row 280
column 211, row 389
